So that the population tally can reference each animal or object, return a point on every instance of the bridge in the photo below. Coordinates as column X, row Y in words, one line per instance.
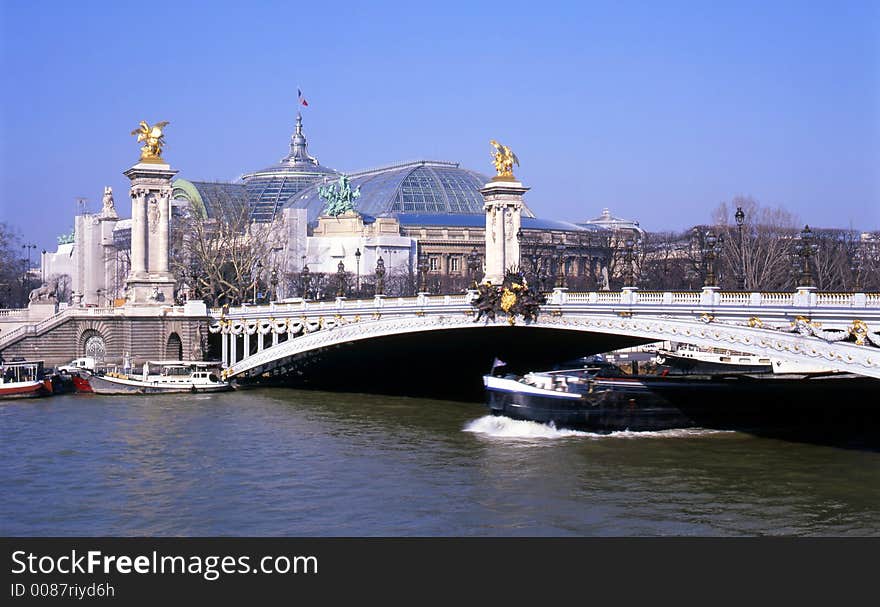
column 441, row 333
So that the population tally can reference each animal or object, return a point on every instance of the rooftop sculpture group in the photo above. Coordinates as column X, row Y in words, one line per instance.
column 339, row 197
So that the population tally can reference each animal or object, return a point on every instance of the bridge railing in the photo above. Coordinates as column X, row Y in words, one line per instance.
column 627, row 297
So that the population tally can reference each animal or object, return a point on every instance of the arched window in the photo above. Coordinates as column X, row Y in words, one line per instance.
column 174, row 347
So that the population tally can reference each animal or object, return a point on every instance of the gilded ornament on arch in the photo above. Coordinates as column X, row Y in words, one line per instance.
column 756, row 323
column 153, row 138
column 859, row 331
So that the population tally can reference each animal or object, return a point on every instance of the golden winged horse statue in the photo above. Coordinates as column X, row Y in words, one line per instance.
column 154, row 138
column 504, row 159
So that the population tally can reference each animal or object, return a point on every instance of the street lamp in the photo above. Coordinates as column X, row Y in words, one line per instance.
column 711, row 251
column 805, row 248
column 856, row 269
column 257, row 270
column 740, row 218
column 340, row 279
column 473, row 262
column 380, row 276
column 423, row 273
column 560, row 266
column 628, row 244
column 274, row 282
column 357, row 257
column 305, row 278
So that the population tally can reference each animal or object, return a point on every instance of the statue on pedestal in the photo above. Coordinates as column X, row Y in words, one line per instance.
column 47, row 292
column 154, row 138
column 108, row 208
column 503, row 158
column 339, row 197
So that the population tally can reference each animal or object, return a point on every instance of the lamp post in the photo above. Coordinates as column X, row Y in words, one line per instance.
column 628, row 244
column 273, row 280
column 257, row 270
column 804, row 249
column 473, row 261
column 560, row 266
column 856, row 269
column 357, row 258
column 340, row 279
column 380, row 276
column 711, row 249
column 423, row 273
column 26, row 278
column 740, row 218
column 305, row 278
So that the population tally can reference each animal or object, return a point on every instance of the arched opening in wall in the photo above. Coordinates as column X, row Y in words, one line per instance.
column 174, row 347
column 92, row 345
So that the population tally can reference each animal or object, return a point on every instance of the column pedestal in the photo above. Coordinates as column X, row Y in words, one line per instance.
column 149, row 281
column 503, row 205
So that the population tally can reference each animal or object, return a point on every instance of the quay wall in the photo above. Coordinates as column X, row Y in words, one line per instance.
column 141, row 337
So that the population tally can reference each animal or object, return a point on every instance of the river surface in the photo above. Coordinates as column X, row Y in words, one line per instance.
column 278, row 462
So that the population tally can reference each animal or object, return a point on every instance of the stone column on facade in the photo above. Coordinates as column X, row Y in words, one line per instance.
column 503, row 205
column 149, row 281
column 138, row 246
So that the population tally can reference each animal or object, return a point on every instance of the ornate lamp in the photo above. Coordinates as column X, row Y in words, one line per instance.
column 340, row 279
column 629, row 244
column 357, row 258
column 424, row 268
column 805, row 249
column 711, row 251
column 273, row 280
column 560, row 266
column 380, row 276
column 306, row 278
column 740, row 218
column 473, row 262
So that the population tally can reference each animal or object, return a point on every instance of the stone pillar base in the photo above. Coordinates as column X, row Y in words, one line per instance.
column 40, row 310
column 156, row 291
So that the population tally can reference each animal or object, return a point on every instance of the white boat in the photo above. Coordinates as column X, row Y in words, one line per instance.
column 691, row 359
column 173, row 376
column 23, row 379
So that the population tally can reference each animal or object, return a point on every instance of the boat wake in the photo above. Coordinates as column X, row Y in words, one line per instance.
column 498, row 426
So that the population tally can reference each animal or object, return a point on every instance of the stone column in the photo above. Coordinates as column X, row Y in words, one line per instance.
column 224, row 345
column 503, row 206
column 138, row 245
column 150, row 282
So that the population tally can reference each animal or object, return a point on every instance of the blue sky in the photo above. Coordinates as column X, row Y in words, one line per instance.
column 657, row 110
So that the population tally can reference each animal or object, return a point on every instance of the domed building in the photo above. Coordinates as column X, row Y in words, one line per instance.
column 422, row 215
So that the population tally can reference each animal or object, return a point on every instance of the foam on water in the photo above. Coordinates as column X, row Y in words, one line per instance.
column 498, row 426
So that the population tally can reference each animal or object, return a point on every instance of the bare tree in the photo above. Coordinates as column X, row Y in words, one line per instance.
column 764, row 256
column 225, row 259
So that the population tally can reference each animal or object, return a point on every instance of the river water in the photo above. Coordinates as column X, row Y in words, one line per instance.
column 278, row 462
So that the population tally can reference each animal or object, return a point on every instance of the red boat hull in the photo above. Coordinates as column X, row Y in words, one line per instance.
column 24, row 390
column 81, row 383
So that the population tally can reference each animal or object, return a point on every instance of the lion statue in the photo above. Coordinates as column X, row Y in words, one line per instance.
column 47, row 292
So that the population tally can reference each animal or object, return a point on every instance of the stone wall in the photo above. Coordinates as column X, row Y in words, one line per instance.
column 141, row 337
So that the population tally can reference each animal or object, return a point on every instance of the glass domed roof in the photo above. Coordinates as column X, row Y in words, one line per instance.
column 269, row 188
column 411, row 188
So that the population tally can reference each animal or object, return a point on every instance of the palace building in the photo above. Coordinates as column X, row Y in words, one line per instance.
column 423, row 215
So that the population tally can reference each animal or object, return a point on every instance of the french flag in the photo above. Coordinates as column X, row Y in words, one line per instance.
column 302, row 100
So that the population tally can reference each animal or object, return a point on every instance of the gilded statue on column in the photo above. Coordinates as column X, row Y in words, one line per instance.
column 154, row 139
column 503, row 158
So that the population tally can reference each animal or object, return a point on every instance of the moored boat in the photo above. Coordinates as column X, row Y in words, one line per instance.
column 24, row 379
column 173, row 376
